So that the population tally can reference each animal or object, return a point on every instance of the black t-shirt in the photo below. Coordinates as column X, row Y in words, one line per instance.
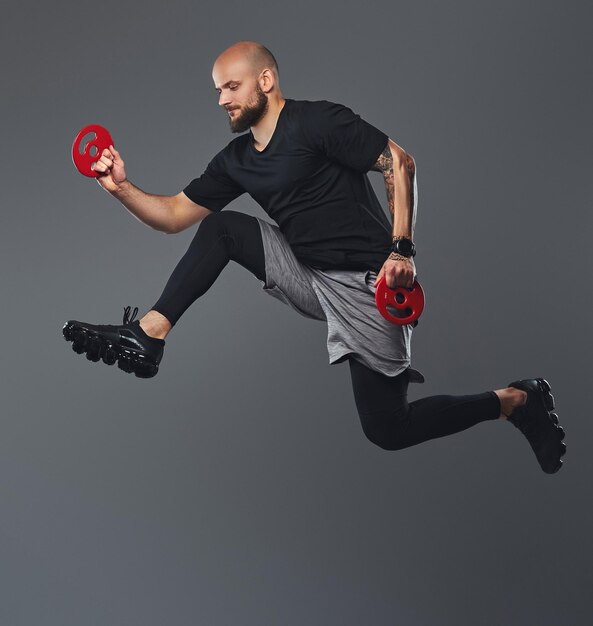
column 311, row 180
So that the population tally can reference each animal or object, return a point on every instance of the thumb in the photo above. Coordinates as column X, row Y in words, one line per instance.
column 379, row 276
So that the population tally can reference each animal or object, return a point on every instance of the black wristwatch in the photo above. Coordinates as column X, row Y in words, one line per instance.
column 404, row 246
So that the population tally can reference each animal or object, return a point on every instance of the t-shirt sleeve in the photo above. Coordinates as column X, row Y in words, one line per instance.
column 214, row 189
column 342, row 135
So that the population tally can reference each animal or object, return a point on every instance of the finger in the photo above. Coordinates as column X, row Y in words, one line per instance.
column 391, row 278
column 400, row 278
column 114, row 152
column 105, row 162
column 107, row 154
column 379, row 276
column 98, row 166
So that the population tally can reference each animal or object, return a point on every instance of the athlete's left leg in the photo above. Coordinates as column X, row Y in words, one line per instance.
column 138, row 345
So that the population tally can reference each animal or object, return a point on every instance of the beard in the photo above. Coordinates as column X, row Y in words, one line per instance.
column 250, row 114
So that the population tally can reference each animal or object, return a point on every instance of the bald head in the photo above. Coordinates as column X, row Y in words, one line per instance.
column 246, row 79
column 253, row 56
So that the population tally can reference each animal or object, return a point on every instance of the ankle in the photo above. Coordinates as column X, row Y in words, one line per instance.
column 155, row 325
column 510, row 398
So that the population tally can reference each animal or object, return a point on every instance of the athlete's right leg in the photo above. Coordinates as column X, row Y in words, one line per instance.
column 393, row 423
column 137, row 345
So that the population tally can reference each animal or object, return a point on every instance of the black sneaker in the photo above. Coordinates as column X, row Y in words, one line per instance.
column 127, row 344
column 539, row 425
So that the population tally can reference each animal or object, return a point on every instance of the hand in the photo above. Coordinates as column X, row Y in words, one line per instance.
column 398, row 273
column 111, row 166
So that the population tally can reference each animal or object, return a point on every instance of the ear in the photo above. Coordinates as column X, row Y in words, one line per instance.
column 266, row 80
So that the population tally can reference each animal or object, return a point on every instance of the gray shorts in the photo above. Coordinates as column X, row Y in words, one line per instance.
column 345, row 299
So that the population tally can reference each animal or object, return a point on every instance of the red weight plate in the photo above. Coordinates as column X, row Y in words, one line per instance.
column 412, row 299
column 84, row 161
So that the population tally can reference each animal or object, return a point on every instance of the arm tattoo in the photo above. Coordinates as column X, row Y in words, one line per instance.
column 385, row 164
column 385, row 161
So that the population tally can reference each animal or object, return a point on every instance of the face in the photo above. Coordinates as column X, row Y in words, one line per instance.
column 241, row 96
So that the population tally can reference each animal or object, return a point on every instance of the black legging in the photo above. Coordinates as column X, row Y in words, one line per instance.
column 221, row 237
column 387, row 419
column 390, row 422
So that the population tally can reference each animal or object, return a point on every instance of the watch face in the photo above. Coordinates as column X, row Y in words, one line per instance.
column 404, row 246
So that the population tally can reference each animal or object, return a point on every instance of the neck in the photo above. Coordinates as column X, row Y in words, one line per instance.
column 262, row 132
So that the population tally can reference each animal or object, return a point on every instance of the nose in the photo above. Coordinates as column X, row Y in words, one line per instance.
column 223, row 99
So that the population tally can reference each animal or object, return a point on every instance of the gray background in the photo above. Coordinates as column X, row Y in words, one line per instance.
column 237, row 486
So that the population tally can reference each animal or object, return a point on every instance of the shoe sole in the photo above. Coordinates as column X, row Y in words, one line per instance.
column 545, row 394
column 548, row 398
column 98, row 348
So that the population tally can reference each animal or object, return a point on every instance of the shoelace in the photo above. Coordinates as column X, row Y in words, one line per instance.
column 127, row 318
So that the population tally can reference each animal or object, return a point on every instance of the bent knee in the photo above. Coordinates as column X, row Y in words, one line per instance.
column 387, row 432
column 389, row 444
column 218, row 227
column 219, row 220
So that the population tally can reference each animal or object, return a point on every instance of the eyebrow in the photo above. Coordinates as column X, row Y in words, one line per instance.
column 227, row 84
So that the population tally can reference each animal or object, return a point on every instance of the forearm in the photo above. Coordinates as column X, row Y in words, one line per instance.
column 399, row 174
column 399, row 184
column 152, row 210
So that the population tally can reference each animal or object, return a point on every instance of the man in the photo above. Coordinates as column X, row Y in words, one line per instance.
column 305, row 163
